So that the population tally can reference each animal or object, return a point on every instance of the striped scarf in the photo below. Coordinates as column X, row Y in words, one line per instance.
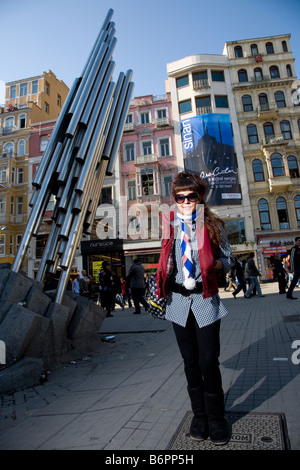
column 186, row 252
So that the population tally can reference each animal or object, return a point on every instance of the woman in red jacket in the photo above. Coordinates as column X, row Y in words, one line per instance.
column 194, row 247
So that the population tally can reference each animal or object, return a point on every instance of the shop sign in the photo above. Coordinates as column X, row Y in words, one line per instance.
column 274, row 249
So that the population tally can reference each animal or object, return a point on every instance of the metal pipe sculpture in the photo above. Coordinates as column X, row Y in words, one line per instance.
column 81, row 151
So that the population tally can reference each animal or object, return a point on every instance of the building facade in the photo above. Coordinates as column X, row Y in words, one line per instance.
column 28, row 103
column 264, row 86
column 200, row 85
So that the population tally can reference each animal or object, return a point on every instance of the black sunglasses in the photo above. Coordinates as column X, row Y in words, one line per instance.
column 192, row 197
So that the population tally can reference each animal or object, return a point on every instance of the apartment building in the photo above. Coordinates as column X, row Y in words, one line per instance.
column 127, row 220
column 201, row 92
column 28, row 102
column 264, row 87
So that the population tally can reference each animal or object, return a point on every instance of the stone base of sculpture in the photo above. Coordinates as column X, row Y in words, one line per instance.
column 38, row 333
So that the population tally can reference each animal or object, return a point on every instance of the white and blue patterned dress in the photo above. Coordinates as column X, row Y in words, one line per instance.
column 206, row 311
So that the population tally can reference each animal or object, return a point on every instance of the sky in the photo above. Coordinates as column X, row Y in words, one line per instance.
column 37, row 35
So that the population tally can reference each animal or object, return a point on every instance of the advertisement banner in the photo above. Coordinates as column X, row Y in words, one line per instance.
column 209, row 151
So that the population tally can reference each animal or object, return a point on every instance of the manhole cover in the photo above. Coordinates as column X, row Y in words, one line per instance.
column 251, row 431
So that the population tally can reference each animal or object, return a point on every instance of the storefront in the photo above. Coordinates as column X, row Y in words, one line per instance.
column 94, row 252
column 267, row 247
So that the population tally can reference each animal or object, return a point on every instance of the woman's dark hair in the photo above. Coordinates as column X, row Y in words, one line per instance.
column 186, row 181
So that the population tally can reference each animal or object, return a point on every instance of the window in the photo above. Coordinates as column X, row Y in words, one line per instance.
column 284, row 46
column 293, row 166
column 129, row 152
column 20, row 176
column 161, row 113
column 9, row 123
column 254, row 49
column 242, row 75
column 282, row 213
column 147, row 147
column 46, row 107
column 269, row 48
column 131, row 190
column 47, row 88
column 164, row 147
column 2, row 205
column 280, row 99
column 13, row 174
column 147, row 182
column 58, row 102
column 269, row 131
column 235, row 230
column 200, row 78
column 274, row 72
column 252, row 134
column 299, row 125
column 13, row 91
column 286, row 130
column 264, row 216
column 297, row 209
column 238, row 51
column 129, row 119
column 289, row 72
column 277, row 165
column 182, row 81
column 3, row 174
column 22, row 121
column 185, row 106
column 20, row 205
column 258, row 171
column 247, row 103
column 167, row 184
column 106, row 196
column 23, row 89
column 145, row 117
column 258, row 75
column 221, row 101
column 21, row 147
column 12, row 206
column 203, row 104
column 34, row 86
column 8, row 149
column 2, row 244
column 43, row 143
column 263, row 101
column 217, row 76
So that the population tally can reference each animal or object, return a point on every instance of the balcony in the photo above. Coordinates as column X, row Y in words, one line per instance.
column 280, row 183
column 200, row 84
column 144, row 159
column 266, row 111
column 161, row 122
column 274, row 140
column 129, row 126
column 9, row 130
column 204, row 110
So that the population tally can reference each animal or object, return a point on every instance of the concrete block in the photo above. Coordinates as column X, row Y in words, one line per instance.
column 17, row 330
column 24, row 373
column 37, row 301
column 16, row 288
column 60, row 318
column 86, row 320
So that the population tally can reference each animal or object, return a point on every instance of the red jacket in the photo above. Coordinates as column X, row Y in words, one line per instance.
column 206, row 251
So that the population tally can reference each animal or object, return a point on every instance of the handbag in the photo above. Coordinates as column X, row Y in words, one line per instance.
column 157, row 307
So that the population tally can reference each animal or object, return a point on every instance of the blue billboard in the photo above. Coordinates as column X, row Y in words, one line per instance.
column 209, row 151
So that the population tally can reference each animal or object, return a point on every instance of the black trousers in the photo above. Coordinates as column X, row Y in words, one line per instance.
column 138, row 297
column 200, row 350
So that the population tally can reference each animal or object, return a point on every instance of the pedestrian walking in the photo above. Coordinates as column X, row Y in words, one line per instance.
column 253, row 274
column 279, row 273
column 105, row 288
column 84, row 288
column 191, row 254
column 76, row 285
column 295, row 268
column 231, row 278
column 240, row 275
column 136, row 276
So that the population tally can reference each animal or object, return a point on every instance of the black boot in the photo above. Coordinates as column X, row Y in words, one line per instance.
column 217, row 426
column 199, row 425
